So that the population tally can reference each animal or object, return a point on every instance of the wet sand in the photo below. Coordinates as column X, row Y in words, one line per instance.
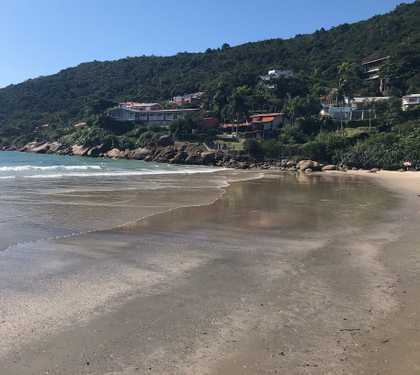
column 286, row 275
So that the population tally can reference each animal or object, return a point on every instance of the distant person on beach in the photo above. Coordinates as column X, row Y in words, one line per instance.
column 407, row 165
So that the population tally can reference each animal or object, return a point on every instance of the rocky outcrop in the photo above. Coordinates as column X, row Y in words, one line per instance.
column 42, row 147
column 96, row 151
column 116, row 153
column 179, row 158
column 140, row 153
column 208, row 157
column 165, row 140
column 77, row 150
column 165, row 154
column 166, row 150
column 303, row 165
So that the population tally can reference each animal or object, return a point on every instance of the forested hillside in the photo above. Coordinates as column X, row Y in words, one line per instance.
column 75, row 94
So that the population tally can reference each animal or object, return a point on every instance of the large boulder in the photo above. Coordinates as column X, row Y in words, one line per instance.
column 194, row 159
column 78, row 150
column 329, row 168
column 55, row 147
column 115, row 153
column 41, row 149
column 179, row 158
column 208, row 157
column 308, row 164
column 180, row 146
column 31, row 146
column 140, row 153
column 165, row 154
column 165, row 140
column 96, row 151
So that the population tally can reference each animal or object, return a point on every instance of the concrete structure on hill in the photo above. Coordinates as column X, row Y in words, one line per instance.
column 372, row 71
column 163, row 117
column 194, row 99
column 277, row 73
column 410, row 101
column 141, row 106
column 356, row 109
column 268, row 80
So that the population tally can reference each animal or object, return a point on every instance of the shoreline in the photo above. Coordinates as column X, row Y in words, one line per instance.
column 194, row 154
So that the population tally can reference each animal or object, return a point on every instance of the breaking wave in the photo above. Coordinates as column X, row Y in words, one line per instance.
column 28, row 168
column 115, row 174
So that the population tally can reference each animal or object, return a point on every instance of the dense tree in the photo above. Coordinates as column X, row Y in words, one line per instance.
column 75, row 94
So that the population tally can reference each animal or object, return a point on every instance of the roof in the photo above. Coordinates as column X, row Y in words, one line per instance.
column 134, row 104
column 371, row 99
column 374, row 60
column 412, row 96
column 159, row 110
column 227, row 126
column 267, row 115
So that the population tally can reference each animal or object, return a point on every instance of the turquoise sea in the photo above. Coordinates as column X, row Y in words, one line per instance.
column 45, row 196
column 16, row 165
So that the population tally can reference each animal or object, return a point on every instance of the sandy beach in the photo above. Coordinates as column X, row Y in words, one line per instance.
column 280, row 275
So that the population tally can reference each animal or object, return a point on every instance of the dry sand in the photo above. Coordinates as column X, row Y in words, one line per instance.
column 394, row 346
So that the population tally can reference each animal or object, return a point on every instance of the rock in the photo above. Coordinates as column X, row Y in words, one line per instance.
column 374, row 170
column 180, row 146
column 30, row 146
column 179, row 158
column 41, row 149
column 243, row 165
column 208, row 157
column 305, row 164
column 165, row 140
column 329, row 168
column 79, row 150
column 115, row 153
column 194, row 159
column 165, row 154
column 55, row 147
column 140, row 153
column 96, row 151
column 290, row 163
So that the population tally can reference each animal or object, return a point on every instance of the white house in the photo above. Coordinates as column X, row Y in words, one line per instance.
column 409, row 101
column 163, row 117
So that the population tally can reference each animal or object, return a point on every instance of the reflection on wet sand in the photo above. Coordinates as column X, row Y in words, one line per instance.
column 270, row 277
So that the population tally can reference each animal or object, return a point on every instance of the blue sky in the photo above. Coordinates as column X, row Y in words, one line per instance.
column 40, row 37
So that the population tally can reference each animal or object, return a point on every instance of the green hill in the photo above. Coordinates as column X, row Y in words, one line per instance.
column 74, row 94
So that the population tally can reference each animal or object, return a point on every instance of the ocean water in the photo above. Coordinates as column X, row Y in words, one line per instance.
column 16, row 165
column 51, row 196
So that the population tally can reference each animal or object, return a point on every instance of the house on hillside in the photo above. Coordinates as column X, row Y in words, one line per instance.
column 356, row 109
column 277, row 73
column 267, row 122
column 259, row 126
column 372, row 71
column 141, row 106
column 268, row 79
column 366, row 102
column 194, row 99
column 410, row 101
column 162, row 117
